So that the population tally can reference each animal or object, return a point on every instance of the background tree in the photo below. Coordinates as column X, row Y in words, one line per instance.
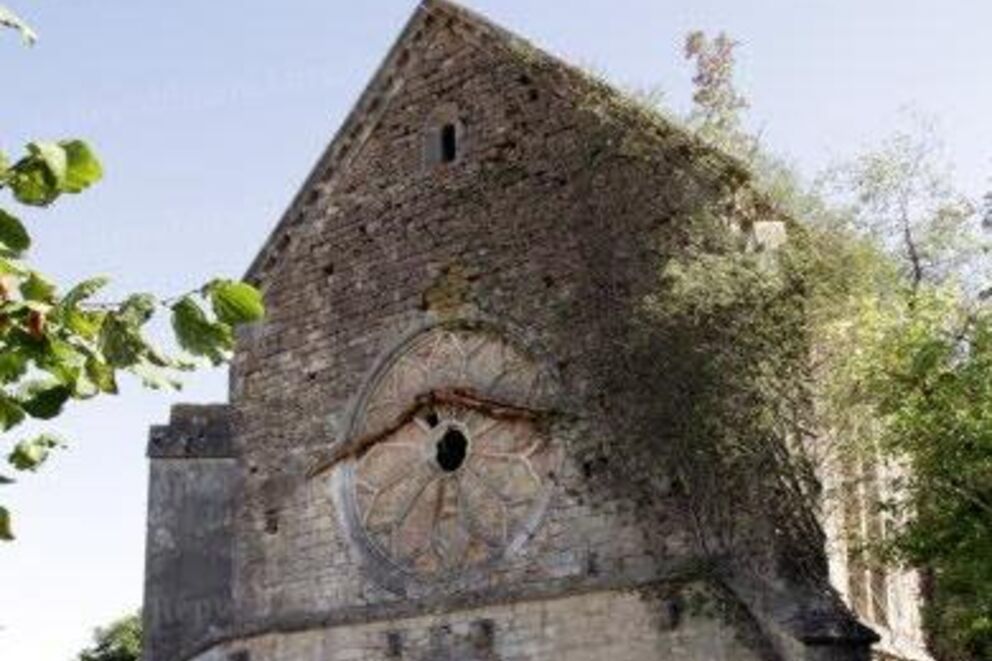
column 910, row 375
column 717, row 105
column 717, row 117
column 56, row 343
column 901, row 196
column 902, row 348
column 119, row 641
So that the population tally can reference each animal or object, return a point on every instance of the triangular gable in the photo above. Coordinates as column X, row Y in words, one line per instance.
column 372, row 103
column 561, row 78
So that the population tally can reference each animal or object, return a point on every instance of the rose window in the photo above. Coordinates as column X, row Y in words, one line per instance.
column 450, row 463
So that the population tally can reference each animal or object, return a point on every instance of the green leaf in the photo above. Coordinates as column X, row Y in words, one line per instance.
column 55, row 159
column 13, row 364
column 83, row 169
column 11, row 414
column 64, row 361
column 10, row 266
column 6, row 534
column 35, row 349
column 137, row 309
column 12, row 233
column 102, row 375
column 30, row 454
column 235, row 302
column 51, row 169
column 9, row 19
column 33, row 183
column 44, row 399
column 38, row 288
column 155, row 377
column 198, row 335
column 83, row 291
column 120, row 342
column 159, row 358
column 87, row 324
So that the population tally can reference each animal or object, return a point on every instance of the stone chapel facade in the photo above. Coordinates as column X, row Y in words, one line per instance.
column 404, row 468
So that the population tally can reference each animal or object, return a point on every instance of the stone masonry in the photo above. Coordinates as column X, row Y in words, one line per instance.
column 478, row 183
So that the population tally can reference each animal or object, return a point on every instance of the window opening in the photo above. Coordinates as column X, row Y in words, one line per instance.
column 451, row 450
column 449, row 143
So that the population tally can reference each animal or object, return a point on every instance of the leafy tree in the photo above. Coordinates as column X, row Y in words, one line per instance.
column 717, row 116
column 892, row 253
column 930, row 377
column 717, row 104
column 56, row 343
column 901, row 196
column 120, row 641
column 913, row 394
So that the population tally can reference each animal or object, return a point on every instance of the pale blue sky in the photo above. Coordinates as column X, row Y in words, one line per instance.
column 209, row 114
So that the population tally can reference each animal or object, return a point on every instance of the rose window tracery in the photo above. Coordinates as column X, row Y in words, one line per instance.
column 450, row 461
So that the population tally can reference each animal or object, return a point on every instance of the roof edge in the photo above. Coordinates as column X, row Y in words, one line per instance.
column 377, row 90
column 372, row 91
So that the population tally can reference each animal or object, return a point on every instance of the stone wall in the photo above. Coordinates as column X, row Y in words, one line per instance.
column 553, row 220
column 620, row 626
column 520, row 228
column 895, row 611
column 189, row 565
column 355, row 278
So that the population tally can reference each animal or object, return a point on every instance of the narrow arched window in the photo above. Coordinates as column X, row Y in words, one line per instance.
column 449, row 143
column 443, row 138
